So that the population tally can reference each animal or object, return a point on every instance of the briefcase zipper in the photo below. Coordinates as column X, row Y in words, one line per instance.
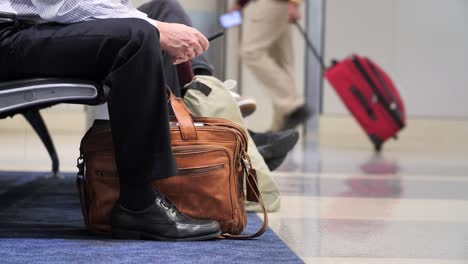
column 181, row 150
column 194, row 149
column 182, row 171
column 213, row 122
column 241, row 146
column 200, row 170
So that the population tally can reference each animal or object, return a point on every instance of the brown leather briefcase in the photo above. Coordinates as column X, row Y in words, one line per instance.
column 214, row 171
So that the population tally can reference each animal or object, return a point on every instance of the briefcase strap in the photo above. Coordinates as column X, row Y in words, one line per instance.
column 252, row 188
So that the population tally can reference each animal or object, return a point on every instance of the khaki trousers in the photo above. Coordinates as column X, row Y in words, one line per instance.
column 267, row 51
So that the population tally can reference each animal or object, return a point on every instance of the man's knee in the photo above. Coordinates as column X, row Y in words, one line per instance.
column 129, row 38
column 136, row 30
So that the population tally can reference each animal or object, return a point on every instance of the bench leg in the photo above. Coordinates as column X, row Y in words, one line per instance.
column 35, row 120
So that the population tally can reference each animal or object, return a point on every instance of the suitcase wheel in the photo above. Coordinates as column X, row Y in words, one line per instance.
column 378, row 143
column 378, row 148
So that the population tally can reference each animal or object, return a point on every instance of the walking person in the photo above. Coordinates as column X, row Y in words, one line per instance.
column 267, row 50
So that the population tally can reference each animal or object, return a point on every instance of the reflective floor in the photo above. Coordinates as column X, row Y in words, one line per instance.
column 343, row 204
column 340, row 202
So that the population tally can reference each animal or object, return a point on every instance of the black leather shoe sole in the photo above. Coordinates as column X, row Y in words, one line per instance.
column 139, row 235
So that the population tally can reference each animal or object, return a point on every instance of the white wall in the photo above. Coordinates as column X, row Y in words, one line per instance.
column 423, row 44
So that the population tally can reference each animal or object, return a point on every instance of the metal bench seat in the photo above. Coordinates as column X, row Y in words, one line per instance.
column 28, row 96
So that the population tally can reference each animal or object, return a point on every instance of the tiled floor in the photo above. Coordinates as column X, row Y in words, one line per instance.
column 344, row 204
column 340, row 202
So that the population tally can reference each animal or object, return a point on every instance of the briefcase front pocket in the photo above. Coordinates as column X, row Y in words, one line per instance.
column 201, row 188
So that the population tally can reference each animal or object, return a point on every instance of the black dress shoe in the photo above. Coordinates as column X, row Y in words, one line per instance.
column 161, row 221
column 297, row 117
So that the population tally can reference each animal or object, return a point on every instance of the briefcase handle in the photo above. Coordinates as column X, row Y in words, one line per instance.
column 183, row 116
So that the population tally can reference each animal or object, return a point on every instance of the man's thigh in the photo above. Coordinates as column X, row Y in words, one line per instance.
column 265, row 22
column 82, row 50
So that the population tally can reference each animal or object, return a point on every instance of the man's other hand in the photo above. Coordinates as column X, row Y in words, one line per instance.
column 235, row 7
column 293, row 12
column 181, row 42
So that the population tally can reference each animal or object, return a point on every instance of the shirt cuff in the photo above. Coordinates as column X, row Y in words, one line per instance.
column 138, row 14
column 152, row 22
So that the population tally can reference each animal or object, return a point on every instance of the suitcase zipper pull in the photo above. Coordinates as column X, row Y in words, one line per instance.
column 364, row 103
column 80, row 164
column 252, row 191
column 246, row 164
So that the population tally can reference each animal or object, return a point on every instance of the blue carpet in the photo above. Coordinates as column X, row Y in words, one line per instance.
column 41, row 222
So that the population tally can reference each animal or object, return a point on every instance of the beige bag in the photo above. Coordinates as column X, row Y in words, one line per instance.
column 211, row 99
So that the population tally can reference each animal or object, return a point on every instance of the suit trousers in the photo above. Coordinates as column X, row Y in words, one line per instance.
column 267, row 51
column 123, row 54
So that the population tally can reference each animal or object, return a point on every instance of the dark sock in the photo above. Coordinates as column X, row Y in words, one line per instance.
column 136, row 197
column 183, row 91
column 202, row 71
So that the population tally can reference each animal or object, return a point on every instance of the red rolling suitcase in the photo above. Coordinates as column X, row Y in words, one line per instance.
column 369, row 94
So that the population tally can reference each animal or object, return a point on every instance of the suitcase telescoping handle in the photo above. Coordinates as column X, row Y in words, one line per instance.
column 311, row 46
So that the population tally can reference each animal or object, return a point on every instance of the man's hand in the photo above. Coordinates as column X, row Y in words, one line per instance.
column 293, row 12
column 181, row 42
column 235, row 7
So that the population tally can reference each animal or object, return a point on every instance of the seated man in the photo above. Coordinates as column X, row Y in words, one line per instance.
column 273, row 146
column 111, row 42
